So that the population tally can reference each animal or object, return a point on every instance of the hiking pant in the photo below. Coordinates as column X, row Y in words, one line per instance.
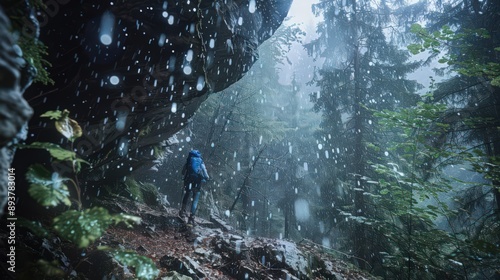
column 191, row 188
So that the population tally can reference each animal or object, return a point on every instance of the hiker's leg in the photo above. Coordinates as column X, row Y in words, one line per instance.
column 188, row 187
column 185, row 198
column 196, row 197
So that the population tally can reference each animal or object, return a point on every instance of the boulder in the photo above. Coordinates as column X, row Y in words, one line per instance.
column 186, row 266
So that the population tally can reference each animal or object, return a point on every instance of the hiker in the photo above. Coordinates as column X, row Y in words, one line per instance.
column 195, row 173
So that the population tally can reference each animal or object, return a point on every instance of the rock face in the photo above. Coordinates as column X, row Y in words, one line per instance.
column 132, row 72
column 14, row 110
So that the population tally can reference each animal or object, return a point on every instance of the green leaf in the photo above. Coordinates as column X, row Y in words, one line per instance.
column 415, row 48
column 443, row 60
column 48, row 197
column 68, row 127
column 432, row 207
column 78, row 164
column 53, row 115
column 55, row 150
column 38, row 174
column 145, row 268
column 84, row 227
column 46, row 188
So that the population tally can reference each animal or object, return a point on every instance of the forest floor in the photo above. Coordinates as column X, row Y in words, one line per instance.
column 213, row 250
column 157, row 244
column 207, row 250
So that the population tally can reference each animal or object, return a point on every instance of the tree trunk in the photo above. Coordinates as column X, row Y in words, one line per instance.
column 496, row 183
column 360, row 246
column 287, row 211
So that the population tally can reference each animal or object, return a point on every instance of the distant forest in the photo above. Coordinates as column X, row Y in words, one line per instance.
column 396, row 172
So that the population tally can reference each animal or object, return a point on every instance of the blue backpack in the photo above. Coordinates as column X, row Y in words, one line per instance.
column 194, row 171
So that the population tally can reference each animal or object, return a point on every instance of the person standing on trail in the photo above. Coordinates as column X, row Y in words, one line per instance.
column 195, row 173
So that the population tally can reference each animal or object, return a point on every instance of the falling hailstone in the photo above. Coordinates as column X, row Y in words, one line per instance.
column 55, row 180
column 174, row 107
column 162, row 40
column 123, row 147
column 187, row 69
column 106, row 28
column 106, row 39
column 326, row 242
column 121, row 119
column 189, row 55
column 251, row 6
column 302, row 213
column 114, row 80
column 201, row 83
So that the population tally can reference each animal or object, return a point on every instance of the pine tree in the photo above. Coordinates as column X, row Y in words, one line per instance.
column 362, row 71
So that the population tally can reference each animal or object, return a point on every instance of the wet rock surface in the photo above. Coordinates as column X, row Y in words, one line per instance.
column 132, row 72
column 14, row 110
